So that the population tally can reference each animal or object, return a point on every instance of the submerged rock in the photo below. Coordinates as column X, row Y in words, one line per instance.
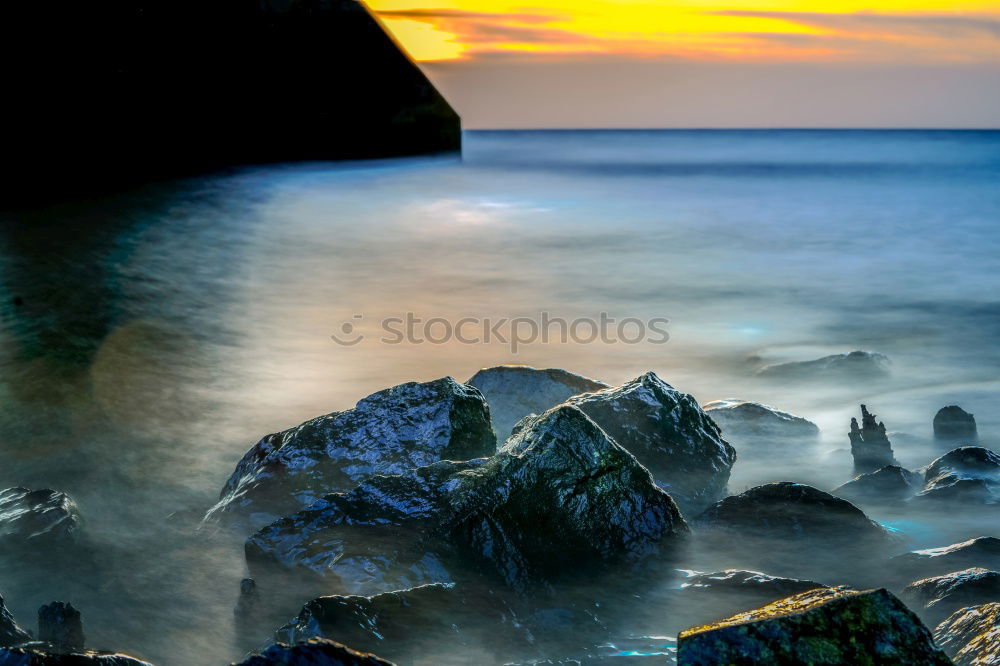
column 748, row 422
column 61, row 625
column 968, row 474
column 870, row 446
column 29, row 655
column 971, row 636
column 389, row 432
column 856, row 365
column 793, row 512
column 516, row 391
column 979, row 552
column 825, row 626
column 10, row 633
column 409, row 625
column 669, row 433
column 314, row 652
column 560, row 490
column 939, row 596
column 37, row 517
column 890, row 484
column 953, row 422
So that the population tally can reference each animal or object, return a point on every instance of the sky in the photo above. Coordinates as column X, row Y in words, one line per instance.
column 707, row 63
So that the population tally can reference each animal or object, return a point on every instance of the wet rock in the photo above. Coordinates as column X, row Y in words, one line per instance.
column 938, row 597
column 954, row 423
column 855, row 366
column 560, row 480
column 389, row 432
column 745, row 422
column 37, row 518
column 61, row 625
column 825, row 626
column 30, row 655
column 314, row 652
column 870, row 446
column 669, row 433
column 890, row 484
column 412, row 625
column 979, row 552
column 10, row 633
column 515, row 391
column 971, row 636
column 794, row 512
column 968, row 475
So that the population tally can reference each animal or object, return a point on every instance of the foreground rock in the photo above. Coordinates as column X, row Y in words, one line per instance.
column 389, row 432
column 938, row 597
column 971, row 636
column 870, row 446
column 979, row 552
column 825, row 626
column 855, row 366
column 669, row 433
column 745, row 422
column 559, row 480
column 37, row 518
column 967, row 475
column 10, row 633
column 28, row 655
column 954, row 423
column 516, row 391
column 315, row 652
column 888, row 485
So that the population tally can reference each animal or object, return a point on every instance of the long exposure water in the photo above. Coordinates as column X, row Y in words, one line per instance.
column 149, row 338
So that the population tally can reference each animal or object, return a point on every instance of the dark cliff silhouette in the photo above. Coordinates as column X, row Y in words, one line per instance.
column 98, row 95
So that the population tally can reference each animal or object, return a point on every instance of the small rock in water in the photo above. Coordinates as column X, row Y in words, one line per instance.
column 939, row 596
column 870, row 446
column 954, row 423
column 61, row 625
column 314, row 652
column 10, row 633
column 669, row 433
column 37, row 518
column 748, row 423
column 979, row 552
column 890, row 484
column 855, row 366
column 825, row 626
column 515, row 391
column 971, row 636
column 389, row 432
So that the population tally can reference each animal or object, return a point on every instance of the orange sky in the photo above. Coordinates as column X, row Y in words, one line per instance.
column 770, row 30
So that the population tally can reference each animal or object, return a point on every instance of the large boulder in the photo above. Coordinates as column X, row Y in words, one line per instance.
column 979, row 552
column 37, row 518
column 887, row 485
column 40, row 655
column 971, row 635
column 516, row 391
column 748, row 423
column 968, row 475
column 389, row 432
column 854, row 366
column 939, row 596
column 669, row 433
column 823, row 626
column 954, row 423
column 561, row 480
column 870, row 446
column 314, row 652
column 410, row 626
column 10, row 632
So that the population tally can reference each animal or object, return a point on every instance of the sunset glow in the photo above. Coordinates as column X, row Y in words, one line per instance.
column 883, row 31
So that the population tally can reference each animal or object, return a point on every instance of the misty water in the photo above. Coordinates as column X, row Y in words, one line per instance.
column 148, row 339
